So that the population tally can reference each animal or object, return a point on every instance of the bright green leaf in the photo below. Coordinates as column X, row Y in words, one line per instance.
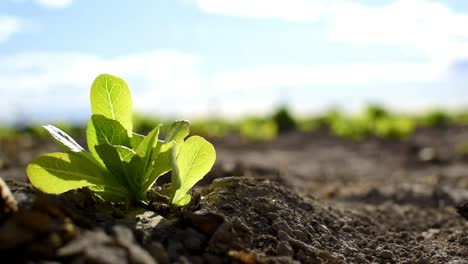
column 102, row 130
column 110, row 97
column 67, row 143
column 161, row 160
column 60, row 172
column 126, row 154
column 145, row 148
column 195, row 160
column 111, row 158
column 133, row 167
column 161, row 163
column 123, row 163
column 184, row 200
column 136, row 140
column 178, row 131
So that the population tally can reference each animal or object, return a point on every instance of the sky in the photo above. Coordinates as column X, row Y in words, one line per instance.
column 228, row 58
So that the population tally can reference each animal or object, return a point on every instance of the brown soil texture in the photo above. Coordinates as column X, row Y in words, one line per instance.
column 302, row 198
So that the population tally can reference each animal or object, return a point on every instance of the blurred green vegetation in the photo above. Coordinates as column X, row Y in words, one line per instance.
column 373, row 121
column 256, row 129
column 283, row 120
column 436, row 118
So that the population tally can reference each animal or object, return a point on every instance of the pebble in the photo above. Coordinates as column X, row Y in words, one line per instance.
column 386, row 254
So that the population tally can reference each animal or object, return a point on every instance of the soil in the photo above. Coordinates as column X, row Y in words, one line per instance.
column 302, row 198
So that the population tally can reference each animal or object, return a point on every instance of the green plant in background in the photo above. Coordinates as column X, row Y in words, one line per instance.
column 258, row 129
column 309, row 124
column 375, row 120
column 372, row 115
column 461, row 117
column 394, row 127
column 374, row 112
column 284, row 120
column 436, row 118
column 122, row 165
column 213, row 127
column 356, row 128
column 6, row 132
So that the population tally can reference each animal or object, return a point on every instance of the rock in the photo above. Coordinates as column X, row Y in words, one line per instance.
column 99, row 247
column 284, row 249
column 386, row 254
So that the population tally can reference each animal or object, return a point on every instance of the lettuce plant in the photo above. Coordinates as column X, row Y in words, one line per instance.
column 122, row 165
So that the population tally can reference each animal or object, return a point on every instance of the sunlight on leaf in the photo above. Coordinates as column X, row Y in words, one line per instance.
column 195, row 160
column 110, row 97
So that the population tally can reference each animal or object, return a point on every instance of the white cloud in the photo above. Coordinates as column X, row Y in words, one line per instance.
column 290, row 76
column 429, row 26
column 55, row 3
column 9, row 25
column 51, row 81
column 292, row 10
column 42, row 72
column 47, row 3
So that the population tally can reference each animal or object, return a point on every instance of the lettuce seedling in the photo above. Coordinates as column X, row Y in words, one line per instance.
column 122, row 165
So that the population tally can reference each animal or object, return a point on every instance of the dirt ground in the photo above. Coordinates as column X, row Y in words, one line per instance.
column 302, row 198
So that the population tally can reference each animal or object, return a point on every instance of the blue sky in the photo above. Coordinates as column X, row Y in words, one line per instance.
column 189, row 58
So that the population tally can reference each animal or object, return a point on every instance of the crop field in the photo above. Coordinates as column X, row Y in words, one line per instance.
column 375, row 187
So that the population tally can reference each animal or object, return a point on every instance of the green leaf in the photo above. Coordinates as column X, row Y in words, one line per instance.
column 112, row 161
column 134, row 170
column 161, row 163
column 184, row 200
column 102, row 130
column 126, row 154
column 124, row 164
column 161, row 160
column 60, row 172
column 133, row 167
column 68, row 144
column 178, row 131
column 195, row 160
column 145, row 148
column 136, row 140
column 110, row 97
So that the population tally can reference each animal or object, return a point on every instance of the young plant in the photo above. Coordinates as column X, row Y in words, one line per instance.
column 122, row 165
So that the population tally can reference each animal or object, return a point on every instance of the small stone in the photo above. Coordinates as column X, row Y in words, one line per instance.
column 284, row 249
column 427, row 154
column 386, row 254
column 282, row 226
column 430, row 233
